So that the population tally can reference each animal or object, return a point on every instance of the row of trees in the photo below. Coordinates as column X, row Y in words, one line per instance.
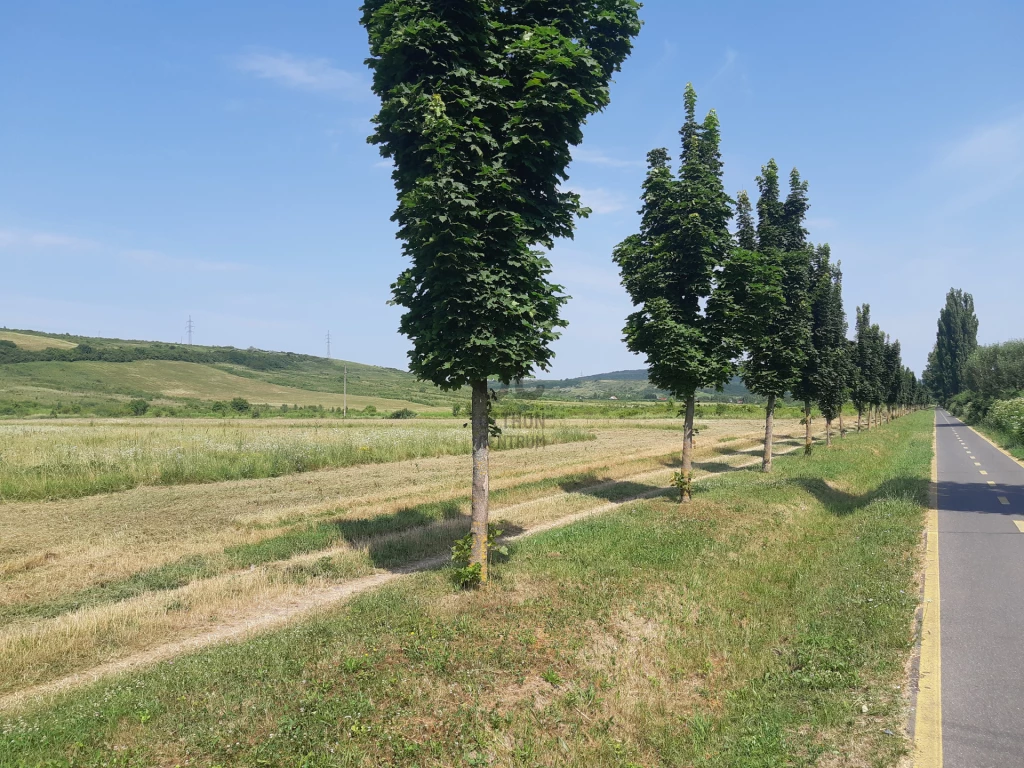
column 481, row 103
column 956, row 339
column 763, row 300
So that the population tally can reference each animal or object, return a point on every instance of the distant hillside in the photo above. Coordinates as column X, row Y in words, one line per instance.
column 64, row 374
column 61, row 371
column 622, row 385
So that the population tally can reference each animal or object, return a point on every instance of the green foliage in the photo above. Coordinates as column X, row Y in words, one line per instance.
column 480, row 104
column 402, row 413
column 138, row 407
column 466, row 575
column 240, row 405
column 1008, row 416
column 763, row 298
column 868, row 361
column 831, row 377
column 996, row 370
column 251, row 358
column 955, row 341
column 668, row 268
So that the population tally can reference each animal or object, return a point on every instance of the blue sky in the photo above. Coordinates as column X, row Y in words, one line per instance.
column 165, row 159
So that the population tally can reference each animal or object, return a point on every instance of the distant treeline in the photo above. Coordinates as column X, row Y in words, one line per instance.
column 249, row 358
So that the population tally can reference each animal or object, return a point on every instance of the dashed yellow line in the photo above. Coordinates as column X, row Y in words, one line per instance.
column 983, row 471
column 991, row 482
column 1020, row 525
column 1004, row 501
column 928, row 715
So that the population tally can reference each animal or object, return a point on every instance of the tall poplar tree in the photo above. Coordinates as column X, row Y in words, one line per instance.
column 763, row 300
column 668, row 270
column 955, row 340
column 481, row 102
column 866, row 383
column 831, row 373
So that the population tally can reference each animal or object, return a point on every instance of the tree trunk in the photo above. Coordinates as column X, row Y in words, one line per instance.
column 807, row 428
column 688, row 447
column 769, row 425
column 481, row 447
column 842, row 430
column 828, row 432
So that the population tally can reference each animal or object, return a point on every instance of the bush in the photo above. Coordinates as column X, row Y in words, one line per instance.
column 138, row 407
column 370, row 410
column 240, row 405
column 405, row 413
column 1008, row 416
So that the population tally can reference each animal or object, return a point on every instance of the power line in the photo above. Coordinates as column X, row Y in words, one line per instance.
column 190, row 326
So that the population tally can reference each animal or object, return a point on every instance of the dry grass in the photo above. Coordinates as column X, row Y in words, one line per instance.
column 34, row 343
column 52, row 549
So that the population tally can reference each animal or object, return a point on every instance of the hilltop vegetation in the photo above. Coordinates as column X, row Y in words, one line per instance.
column 78, row 375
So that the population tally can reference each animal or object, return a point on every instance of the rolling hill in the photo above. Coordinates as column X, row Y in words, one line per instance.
column 64, row 374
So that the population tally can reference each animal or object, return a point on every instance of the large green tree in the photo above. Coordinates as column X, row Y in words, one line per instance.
column 669, row 267
column 481, row 103
column 763, row 297
column 955, row 340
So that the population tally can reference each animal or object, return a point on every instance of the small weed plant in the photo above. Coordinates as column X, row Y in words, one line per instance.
column 466, row 575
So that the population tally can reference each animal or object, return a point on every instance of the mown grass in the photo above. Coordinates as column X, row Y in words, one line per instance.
column 765, row 624
column 313, row 537
column 56, row 462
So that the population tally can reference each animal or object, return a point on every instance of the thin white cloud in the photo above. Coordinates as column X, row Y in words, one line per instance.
column 731, row 57
column 601, row 200
column 984, row 164
column 21, row 239
column 304, row 74
column 597, row 157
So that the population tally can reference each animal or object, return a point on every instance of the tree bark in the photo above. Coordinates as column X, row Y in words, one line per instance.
column 769, row 425
column 481, row 480
column 842, row 431
column 688, row 446
column 807, row 428
column 860, row 416
column 828, row 432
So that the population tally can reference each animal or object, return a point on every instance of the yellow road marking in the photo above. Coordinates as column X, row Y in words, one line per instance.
column 983, row 471
column 977, row 463
column 1020, row 525
column 1004, row 501
column 928, row 716
column 991, row 482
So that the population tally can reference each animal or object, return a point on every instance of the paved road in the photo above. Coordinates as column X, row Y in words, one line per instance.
column 981, row 577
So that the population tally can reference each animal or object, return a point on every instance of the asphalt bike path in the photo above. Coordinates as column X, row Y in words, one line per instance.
column 980, row 503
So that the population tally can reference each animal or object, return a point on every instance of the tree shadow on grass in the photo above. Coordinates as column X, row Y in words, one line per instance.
column 611, row 490
column 840, row 503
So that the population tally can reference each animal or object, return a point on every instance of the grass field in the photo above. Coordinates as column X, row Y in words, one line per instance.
column 87, row 580
column 768, row 623
column 44, row 461
column 154, row 378
column 33, row 342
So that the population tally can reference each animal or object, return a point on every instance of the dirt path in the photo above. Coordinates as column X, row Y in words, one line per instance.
column 289, row 610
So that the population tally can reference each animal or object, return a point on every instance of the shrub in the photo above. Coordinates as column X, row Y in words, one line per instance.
column 370, row 410
column 405, row 413
column 1008, row 416
column 138, row 407
column 240, row 405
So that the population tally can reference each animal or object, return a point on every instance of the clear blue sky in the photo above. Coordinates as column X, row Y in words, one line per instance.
column 164, row 159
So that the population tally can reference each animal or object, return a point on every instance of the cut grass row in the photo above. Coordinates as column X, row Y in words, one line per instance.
column 765, row 624
column 70, row 462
